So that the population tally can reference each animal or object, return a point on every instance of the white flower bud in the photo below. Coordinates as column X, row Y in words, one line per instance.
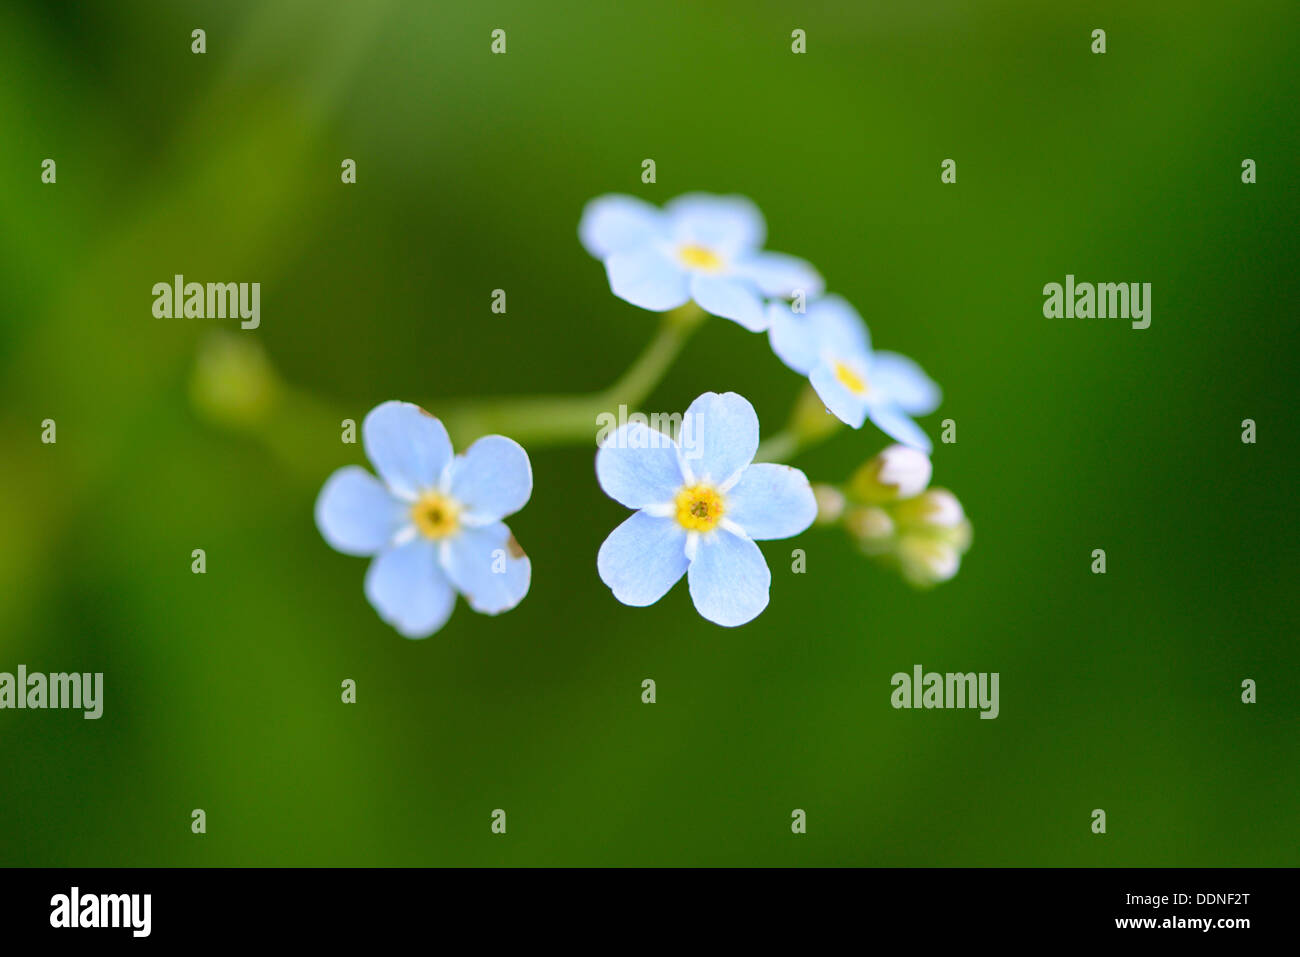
column 944, row 509
column 937, row 509
column 896, row 473
column 905, row 469
column 926, row 561
column 872, row 527
column 830, row 503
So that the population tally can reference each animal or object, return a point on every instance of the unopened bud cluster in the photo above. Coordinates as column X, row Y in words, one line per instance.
column 891, row 513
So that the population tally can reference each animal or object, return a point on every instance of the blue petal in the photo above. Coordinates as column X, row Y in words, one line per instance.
column 488, row 567
column 616, row 223
column 642, row 559
column 838, row 327
column 409, row 590
column 718, row 438
column 648, row 278
column 356, row 514
column 408, row 447
column 777, row 274
column 492, row 479
column 637, row 466
column 906, row 385
column 771, row 501
column 734, row 299
column 727, row 224
column 894, row 422
column 729, row 579
column 846, row 405
column 792, row 338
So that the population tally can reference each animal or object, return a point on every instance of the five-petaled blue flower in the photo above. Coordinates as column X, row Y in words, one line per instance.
column 700, row 506
column 434, row 521
column 831, row 346
column 701, row 247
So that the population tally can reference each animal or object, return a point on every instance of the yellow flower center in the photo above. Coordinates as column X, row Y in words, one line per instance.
column 435, row 515
column 698, row 508
column 699, row 257
column 852, row 381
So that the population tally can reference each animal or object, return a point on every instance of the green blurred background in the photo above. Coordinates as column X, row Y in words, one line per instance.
column 1119, row 692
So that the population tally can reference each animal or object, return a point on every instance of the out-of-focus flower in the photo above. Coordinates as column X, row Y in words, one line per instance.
column 830, row 344
column 699, row 246
column 925, row 562
column 432, row 520
column 700, row 506
column 933, row 535
column 936, row 510
column 872, row 527
column 830, row 503
column 233, row 382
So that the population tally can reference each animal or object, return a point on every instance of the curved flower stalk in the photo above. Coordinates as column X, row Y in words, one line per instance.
column 701, row 504
column 698, row 247
column 432, row 520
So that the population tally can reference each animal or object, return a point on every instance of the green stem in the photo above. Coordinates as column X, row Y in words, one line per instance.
column 237, row 388
column 564, row 419
column 645, row 373
column 809, row 424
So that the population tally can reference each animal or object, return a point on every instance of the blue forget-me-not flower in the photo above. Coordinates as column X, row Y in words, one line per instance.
column 700, row 505
column 432, row 520
column 831, row 346
column 699, row 246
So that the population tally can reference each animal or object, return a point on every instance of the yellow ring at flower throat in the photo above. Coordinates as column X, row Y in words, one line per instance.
column 850, row 379
column 699, row 508
column 435, row 515
column 699, row 257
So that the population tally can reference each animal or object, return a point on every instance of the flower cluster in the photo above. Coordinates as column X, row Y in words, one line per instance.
column 432, row 520
column 708, row 249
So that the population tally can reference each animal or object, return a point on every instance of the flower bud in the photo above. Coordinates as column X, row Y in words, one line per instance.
column 937, row 509
column 871, row 527
column 233, row 383
column 926, row 561
column 830, row 503
column 896, row 473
